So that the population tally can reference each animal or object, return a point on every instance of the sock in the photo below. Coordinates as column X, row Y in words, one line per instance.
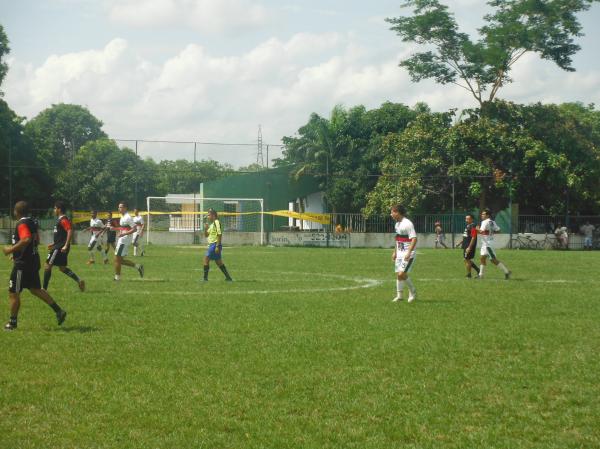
column 503, row 267
column 399, row 286
column 481, row 270
column 105, row 254
column 13, row 320
column 411, row 286
column 475, row 267
column 117, row 277
column 91, row 254
column 72, row 275
column 47, row 274
column 135, row 250
column 206, row 271
column 55, row 307
column 224, row 270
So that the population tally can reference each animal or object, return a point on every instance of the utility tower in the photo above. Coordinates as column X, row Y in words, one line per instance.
column 259, row 154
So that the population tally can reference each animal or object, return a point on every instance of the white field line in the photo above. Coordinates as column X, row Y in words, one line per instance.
column 360, row 283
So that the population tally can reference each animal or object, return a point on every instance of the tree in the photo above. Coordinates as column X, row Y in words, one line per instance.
column 4, row 50
column 57, row 133
column 342, row 152
column 102, row 174
column 517, row 27
column 182, row 176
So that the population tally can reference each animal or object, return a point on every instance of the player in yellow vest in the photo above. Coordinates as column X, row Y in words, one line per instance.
column 214, row 234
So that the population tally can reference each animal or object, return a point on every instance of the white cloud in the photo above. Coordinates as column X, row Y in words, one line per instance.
column 195, row 95
column 211, row 16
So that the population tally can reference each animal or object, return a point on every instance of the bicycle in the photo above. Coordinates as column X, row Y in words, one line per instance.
column 550, row 242
column 524, row 241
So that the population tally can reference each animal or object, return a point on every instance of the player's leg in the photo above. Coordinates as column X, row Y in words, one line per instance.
column 135, row 243
column 52, row 255
column 61, row 314
column 222, row 267
column 483, row 261
column 499, row 264
column 14, row 299
column 205, row 266
column 90, row 249
column 68, row 272
column 402, row 269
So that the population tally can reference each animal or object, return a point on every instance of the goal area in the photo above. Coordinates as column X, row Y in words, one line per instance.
column 188, row 214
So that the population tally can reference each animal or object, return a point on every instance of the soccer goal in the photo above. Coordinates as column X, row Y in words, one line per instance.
column 178, row 213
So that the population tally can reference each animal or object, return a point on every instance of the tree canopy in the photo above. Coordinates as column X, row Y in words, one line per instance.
column 482, row 67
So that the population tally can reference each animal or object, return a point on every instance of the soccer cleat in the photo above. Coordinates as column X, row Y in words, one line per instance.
column 228, row 280
column 412, row 297
column 105, row 261
column 507, row 275
column 10, row 327
column 82, row 285
column 469, row 276
column 205, row 280
column 90, row 262
column 397, row 298
column 141, row 271
column 60, row 317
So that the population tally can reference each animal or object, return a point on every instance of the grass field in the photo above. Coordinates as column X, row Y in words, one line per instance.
column 305, row 350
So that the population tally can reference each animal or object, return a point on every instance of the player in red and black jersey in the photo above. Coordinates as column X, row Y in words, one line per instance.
column 469, row 243
column 26, row 260
column 59, row 250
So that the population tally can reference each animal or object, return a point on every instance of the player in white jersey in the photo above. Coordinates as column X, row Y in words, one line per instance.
column 404, row 252
column 138, row 241
column 97, row 238
column 125, row 231
column 487, row 229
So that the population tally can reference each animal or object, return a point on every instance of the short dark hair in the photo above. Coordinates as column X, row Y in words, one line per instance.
column 487, row 211
column 399, row 208
column 61, row 206
column 470, row 215
column 22, row 208
column 124, row 203
column 212, row 211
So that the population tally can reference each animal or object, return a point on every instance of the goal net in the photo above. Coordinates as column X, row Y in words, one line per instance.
column 178, row 213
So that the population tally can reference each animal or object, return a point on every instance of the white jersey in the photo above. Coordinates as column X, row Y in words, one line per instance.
column 487, row 229
column 96, row 226
column 139, row 222
column 126, row 223
column 405, row 232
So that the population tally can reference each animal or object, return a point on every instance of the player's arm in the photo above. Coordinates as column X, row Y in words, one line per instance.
column 219, row 236
column 67, row 227
column 24, row 239
column 473, row 237
column 411, row 248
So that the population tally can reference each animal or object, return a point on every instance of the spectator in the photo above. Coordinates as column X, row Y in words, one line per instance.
column 562, row 235
column 588, row 232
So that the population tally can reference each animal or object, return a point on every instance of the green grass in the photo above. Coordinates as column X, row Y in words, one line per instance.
column 305, row 350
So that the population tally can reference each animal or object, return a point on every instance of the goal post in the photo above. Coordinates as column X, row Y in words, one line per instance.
column 179, row 213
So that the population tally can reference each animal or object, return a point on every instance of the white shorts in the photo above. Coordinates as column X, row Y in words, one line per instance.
column 487, row 250
column 122, row 248
column 95, row 240
column 137, row 238
column 404, row 266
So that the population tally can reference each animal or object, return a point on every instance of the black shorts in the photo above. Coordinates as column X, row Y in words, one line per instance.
column 21, row 278
column 468, row 255
column 57, row 257
column 111, row 237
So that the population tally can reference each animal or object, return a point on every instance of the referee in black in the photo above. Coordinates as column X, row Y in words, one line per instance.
column 26, row 260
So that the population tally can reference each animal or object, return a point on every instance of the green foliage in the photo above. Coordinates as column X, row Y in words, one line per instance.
column 16, row 149
column 482, row 67
column 342, row 152
column 4, row 51
column 546, row 157
column 102, row 174
column 295, row 355
column 182, row 176
column 57, row 134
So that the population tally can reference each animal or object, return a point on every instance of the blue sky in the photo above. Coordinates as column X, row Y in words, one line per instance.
column 213, row 70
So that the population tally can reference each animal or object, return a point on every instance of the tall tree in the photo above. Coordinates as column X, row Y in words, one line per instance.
column 102, row 174
column 482, row 67
column 183, row 176
column 57, row 133
column 342, row 152
column 4, row 50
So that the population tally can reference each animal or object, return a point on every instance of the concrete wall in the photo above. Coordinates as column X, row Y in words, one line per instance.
column 306, row 238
